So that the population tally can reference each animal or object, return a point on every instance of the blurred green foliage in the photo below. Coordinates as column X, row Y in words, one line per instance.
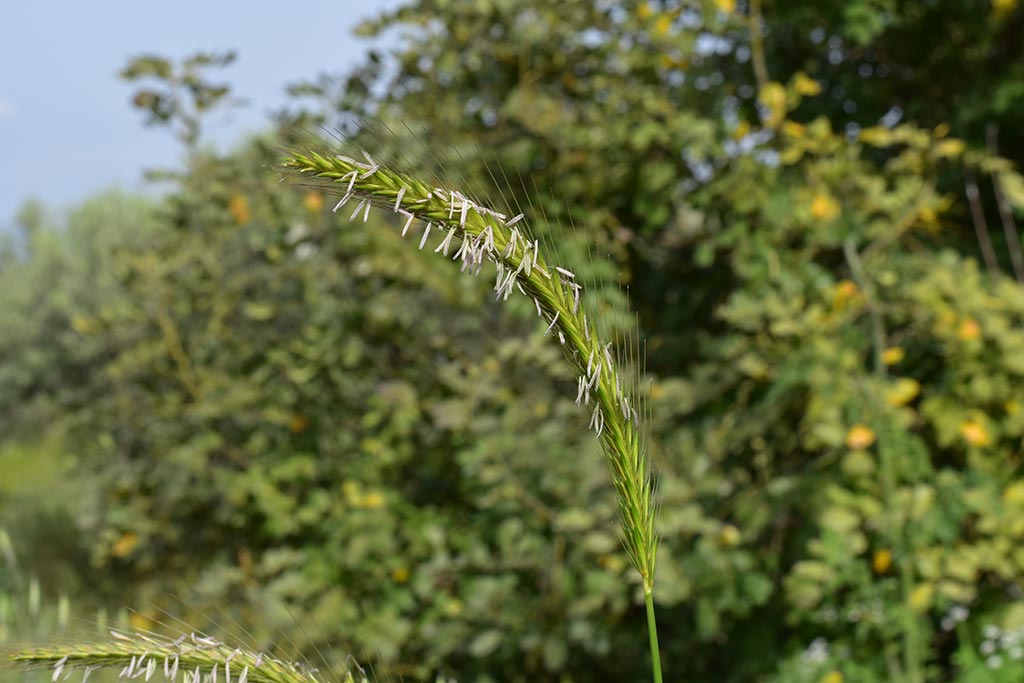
column 264, row 406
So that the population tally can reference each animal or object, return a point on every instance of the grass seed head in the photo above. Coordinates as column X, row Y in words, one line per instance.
column 488, row 236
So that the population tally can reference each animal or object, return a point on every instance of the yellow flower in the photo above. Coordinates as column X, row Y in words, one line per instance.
column 832, row 676
column 876, row 136
column 372, row 501
column 969, row 330
column 662, row 25
column 950, row 148
column 881, row 561
column 314, row 201
column 727, row 6
column 124, row 545
column 400, row 574
column 860, row 436
column 824, row 207
column 644, row 11
column 453, row 608
column 794, row 129
column 903, row 392
column 845, row 290
column 238, row 207
column 354, row 495
column 806, row 85
column 773, row 98
column 893, row 355
column 975, row 433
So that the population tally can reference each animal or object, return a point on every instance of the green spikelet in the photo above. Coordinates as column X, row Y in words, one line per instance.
column 485, row 235
column 190, row 658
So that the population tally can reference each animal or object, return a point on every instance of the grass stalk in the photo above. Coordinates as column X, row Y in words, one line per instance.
column 198, row 659
column 485, row 235
column 652, row 635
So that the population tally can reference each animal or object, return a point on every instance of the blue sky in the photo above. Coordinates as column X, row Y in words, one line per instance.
column 66, row 126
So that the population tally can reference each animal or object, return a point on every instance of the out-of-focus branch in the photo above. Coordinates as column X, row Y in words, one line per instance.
column 853, row 262
column 757, row 44
column 1005, row 213
column 980, row 224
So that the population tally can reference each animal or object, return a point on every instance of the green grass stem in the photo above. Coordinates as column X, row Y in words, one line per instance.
column 198, row 659
column 486, row 235
column 652, row 635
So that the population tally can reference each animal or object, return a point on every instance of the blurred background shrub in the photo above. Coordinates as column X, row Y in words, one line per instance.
column 227, row 405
